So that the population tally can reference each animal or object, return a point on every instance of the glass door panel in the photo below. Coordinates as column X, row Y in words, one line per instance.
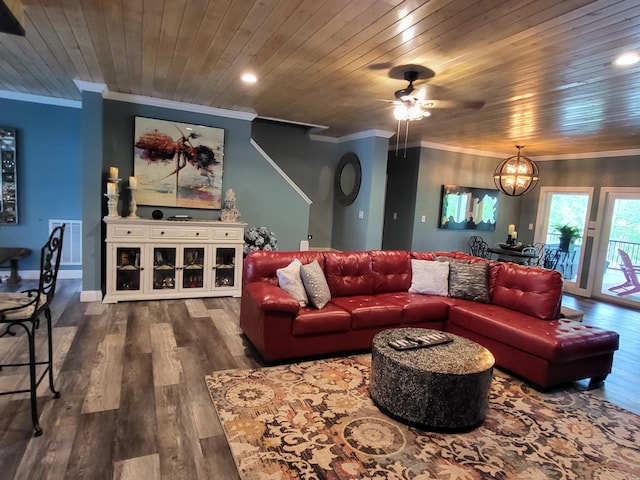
column 564, row 207
column 164, row 268
column 193, row 270
column 619, row 254
column 128, row 268
column 225, row 267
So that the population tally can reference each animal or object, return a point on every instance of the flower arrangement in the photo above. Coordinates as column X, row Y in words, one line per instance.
column 259, row 238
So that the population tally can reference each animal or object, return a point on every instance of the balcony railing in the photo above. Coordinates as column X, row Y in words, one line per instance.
column 612, row 257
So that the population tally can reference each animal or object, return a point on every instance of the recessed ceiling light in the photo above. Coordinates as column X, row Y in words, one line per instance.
column 629, row 58
column 249, row 78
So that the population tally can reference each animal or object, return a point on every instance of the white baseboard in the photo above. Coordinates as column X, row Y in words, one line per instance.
column 91, row 296
column 62, row 274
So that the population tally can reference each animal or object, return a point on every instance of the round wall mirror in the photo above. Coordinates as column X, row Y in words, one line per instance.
column 348, row 178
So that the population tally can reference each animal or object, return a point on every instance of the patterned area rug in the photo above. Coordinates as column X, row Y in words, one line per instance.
column 315, row 420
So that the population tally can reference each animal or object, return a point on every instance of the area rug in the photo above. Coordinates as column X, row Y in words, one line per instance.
column 315, row 420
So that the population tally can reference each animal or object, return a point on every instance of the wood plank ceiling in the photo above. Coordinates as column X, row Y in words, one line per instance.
column 543, row 67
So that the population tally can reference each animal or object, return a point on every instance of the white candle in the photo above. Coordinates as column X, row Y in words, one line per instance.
column 113, row 173
column 512, row 228
column 111, row 188
column 133, row 182
column 514, row 234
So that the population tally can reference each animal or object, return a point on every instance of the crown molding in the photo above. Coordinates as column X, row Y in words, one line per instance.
column 162, row 103
column 581, row 156
column 28, row 97
column 95, row 87
column 313, row 128
column 453, row 148
column 174, row 105
column 353, row 136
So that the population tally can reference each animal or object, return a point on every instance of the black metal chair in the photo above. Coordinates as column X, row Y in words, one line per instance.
column 478, row 247
column 541, row 249
column 551, row 257
column 24, row 310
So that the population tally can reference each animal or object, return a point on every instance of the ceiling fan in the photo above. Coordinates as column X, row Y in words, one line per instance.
column 413, row 103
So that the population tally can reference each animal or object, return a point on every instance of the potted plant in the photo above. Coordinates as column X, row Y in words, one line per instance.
column 568, row 234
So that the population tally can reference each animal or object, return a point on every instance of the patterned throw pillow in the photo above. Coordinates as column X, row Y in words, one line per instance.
column 290, row 281
column 469, row 281
column 429, row 277
column 315, row 283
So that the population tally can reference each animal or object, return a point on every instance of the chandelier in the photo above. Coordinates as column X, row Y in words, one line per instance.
column 516, row 175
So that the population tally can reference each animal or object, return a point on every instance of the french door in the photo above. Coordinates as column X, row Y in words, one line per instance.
column 560, row 206
column 617, row 274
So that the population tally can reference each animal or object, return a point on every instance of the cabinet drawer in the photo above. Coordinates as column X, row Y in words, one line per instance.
column 228, row 234
column 169, row 232
column 123, row 231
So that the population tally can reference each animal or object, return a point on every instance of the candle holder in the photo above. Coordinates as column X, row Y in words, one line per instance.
column 116, row 182
column 112, row 204
column 133, row 206
column 511, row 241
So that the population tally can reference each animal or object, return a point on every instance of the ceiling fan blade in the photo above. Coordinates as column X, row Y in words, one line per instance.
column 455, row 104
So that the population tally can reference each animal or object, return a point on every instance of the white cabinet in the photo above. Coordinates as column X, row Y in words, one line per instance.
column 149, row 259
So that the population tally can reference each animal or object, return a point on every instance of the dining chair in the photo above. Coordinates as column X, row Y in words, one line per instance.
column 630, row 272
column 24, row 310
column 540, row 250
column 478, row 247
column 551, row 257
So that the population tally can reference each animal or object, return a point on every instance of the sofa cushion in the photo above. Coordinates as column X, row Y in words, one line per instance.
column 261, row 265
column 369, row 311
column 391, row 270
column 349, row 273
column 290, row 281
column 556, row 340
column 315, row 284
column 331, row 319
column 429, row 277
column 418, row 308
column 534, row 291
column 469, row 281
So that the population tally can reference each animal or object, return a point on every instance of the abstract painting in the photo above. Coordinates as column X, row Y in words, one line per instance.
column 178, row 164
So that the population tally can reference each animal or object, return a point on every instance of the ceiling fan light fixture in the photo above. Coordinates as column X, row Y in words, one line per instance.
column 409, row 113
column 516, row 175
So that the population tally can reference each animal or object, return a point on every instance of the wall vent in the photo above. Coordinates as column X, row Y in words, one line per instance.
column 72, row 242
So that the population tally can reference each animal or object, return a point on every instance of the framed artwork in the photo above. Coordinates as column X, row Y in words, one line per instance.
column 178, row 164
column 468, row 208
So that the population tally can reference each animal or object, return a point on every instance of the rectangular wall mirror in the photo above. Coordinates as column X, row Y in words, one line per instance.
column 8, row 179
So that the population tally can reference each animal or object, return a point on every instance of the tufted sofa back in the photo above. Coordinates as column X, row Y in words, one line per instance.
column 534, row 291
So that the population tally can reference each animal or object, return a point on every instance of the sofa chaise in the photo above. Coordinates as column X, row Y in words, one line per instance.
column 512, row 310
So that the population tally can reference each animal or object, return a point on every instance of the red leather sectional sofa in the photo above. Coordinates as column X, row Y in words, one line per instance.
column 369, row 293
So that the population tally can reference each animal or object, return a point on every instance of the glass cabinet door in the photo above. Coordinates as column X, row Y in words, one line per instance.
column 164, row 268
column 225, row 267
column 128, row 268
column 193, row 267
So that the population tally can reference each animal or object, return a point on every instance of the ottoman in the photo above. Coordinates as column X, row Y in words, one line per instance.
column 442, row 387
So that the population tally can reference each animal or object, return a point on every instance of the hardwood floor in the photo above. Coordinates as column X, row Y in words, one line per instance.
column 133, row 400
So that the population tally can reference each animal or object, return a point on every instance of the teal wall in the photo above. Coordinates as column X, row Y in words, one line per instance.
column 64, row 154
column 263, row 196
column 439, row 167
column 349, row 231
column 310, row 164
column 49, row 172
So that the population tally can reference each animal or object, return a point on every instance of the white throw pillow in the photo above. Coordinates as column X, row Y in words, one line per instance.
column 429, row 277
column 290, row 281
